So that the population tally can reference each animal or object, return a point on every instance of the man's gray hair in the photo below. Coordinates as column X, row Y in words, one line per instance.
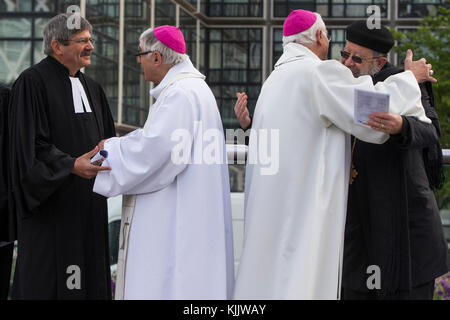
column 149, row 42
column 57, row 29
column 308, row 36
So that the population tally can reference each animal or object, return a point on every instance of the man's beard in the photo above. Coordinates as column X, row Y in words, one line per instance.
column 371, row 70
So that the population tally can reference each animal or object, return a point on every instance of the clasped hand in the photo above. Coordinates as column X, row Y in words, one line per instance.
column 386, row 122
column 83, row 166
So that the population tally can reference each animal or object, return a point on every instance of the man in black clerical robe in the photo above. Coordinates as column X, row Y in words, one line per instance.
column 57, row 115
column 6, row 243
column 393, row 220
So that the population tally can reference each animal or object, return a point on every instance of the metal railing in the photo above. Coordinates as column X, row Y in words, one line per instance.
column 239, row 151
column 446, row 156
column 237, row 154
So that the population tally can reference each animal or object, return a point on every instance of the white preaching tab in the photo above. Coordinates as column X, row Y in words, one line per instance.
column 79, row 96
column 368, row 102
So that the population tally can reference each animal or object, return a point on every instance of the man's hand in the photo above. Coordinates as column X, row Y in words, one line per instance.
column 101, row 144
column 241, row 111
column 83, row 167
column 420, row 68
column 386, row 122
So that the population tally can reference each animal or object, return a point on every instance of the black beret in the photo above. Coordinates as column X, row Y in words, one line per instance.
column 380, row 40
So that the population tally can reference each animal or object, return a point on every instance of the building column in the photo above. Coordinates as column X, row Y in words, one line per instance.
column 121, row 54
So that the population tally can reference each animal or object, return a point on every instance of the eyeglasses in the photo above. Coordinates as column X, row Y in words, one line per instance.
column 142, row 53
column 139, row 54
column 82, row 40
column 328, row 36
column 356, row 59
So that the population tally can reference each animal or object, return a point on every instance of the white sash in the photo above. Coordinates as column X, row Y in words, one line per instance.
column 79, row 96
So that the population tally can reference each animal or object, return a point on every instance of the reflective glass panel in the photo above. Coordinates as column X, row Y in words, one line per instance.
column 14, row 58
column 104, row 18
column 15, row 27
column 136, row 100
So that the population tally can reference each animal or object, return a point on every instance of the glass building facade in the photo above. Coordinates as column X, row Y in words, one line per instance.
column 235, row 43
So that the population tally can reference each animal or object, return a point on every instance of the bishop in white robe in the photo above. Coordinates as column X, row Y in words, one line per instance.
column 295, row 218
column 176, row 234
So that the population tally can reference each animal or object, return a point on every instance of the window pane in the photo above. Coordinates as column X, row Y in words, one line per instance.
column 277, row 45
column 38, row 52
column 188, row 26
column 232, row 8
column 337, row 10
column 356, row 10
column 329, row 8
column 15, row 6
column 215, row 51
column 419, row 8
column 15, row 28
column 104, row 18
column 39, row 25
column 202, row 48
column 44, row 6
column 255, row 52
column 136, row 98
column 235, row 64
column 235, row 55
column 164, row 13
column 14, row 58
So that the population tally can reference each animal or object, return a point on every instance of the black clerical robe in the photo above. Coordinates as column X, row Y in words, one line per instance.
column 62, row 226
column 393, row 219
column 6, row 245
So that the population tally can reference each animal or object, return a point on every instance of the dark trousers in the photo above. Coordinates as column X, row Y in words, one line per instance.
column 6, row 254
column 422, row 292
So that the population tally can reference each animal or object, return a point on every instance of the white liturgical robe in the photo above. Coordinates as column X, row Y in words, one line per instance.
column 295, row 217
column 179, row 244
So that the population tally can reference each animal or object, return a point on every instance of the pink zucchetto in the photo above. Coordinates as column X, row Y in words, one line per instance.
column 172, row 37
column 298, row 21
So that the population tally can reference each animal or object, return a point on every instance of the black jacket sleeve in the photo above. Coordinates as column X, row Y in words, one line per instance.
column 415, row 133
column 37, row 167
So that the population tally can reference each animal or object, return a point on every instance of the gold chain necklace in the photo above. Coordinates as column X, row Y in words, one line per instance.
column 353, row 172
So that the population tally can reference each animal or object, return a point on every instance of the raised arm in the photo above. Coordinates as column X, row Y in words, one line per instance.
column 333, row 90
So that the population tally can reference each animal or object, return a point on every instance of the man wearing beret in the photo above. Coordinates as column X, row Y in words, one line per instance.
column 393, row 219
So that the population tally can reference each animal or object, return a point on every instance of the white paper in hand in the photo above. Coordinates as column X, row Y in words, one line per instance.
column 102, row 154
column 368, row 102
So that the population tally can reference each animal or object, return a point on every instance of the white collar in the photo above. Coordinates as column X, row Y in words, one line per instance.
column 182, row 67
column 294, row 51
column 79, row 96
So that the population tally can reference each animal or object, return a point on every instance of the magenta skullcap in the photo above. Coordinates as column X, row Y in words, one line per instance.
column 172, row 37
column 298, row 21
